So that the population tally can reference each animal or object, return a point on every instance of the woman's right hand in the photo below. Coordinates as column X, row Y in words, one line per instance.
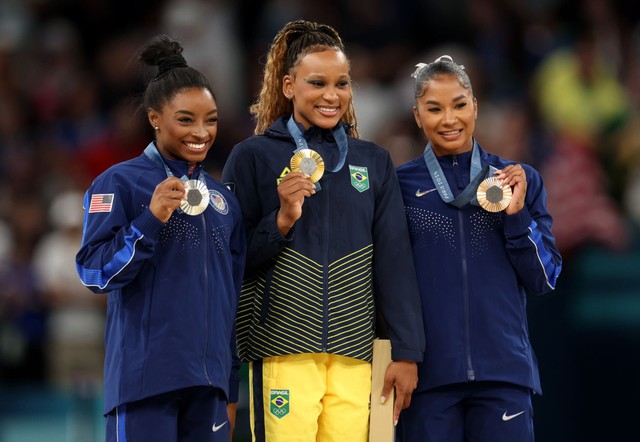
column 166, row 198
column 294, row 188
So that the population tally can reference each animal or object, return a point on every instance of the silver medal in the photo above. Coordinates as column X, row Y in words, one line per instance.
column 197, row 198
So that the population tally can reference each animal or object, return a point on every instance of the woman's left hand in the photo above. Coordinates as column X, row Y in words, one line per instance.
column 515, row 177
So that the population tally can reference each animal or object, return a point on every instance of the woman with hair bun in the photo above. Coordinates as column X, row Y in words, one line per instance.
column 166, row 242
column 481, row 238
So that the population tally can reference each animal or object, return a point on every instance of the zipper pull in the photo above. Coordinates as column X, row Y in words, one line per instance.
column 455, row 160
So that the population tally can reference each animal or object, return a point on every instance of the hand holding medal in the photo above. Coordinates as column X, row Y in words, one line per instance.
column 296, row 186
column 512, row 181
column 167, row 197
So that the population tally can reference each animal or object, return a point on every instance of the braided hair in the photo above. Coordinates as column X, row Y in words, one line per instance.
column 173, row 76
column 290, row 45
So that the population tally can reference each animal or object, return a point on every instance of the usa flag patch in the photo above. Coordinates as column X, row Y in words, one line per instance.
column 101, row 202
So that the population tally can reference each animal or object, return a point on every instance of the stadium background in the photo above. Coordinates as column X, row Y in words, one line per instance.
column 558, row 86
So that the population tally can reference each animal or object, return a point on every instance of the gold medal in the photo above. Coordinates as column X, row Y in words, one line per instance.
column 197, row 198
column 309, row 162
column 493, row 196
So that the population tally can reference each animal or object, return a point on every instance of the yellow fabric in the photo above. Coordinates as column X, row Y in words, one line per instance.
column 570, row 105
column 326, row 396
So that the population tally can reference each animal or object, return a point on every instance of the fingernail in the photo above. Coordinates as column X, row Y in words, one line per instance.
column 383, row 399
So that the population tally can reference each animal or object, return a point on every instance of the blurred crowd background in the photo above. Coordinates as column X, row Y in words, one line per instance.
column 558, row 87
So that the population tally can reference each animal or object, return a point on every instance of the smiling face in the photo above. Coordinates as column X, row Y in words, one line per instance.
column 187, row 125
column 320, row 89
column 447, row 114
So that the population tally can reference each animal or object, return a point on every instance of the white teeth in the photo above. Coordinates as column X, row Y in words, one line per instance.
column 328, row 109
column 454, row 132
column 195, row 145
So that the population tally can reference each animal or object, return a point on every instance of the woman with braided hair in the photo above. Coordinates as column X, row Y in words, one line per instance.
column 167, row 243
column 328, row 251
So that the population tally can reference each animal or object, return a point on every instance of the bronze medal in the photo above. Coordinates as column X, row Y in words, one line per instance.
column 493, row 196
column 308, row 162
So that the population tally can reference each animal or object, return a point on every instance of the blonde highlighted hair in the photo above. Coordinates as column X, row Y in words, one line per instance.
column 295, row 40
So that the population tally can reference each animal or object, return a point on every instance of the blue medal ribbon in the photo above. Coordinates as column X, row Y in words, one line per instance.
column 151, row 151
column 338, row 134
column 468, row 195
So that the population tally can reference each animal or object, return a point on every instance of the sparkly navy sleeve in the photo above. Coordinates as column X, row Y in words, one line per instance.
column 530, row 241
column 113, row 247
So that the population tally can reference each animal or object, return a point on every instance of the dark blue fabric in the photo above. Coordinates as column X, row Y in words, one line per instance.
column 476, row 411
column 172, row 287
column 336, row 222
column 258, row 402
column 475, row 269
column 197, row 414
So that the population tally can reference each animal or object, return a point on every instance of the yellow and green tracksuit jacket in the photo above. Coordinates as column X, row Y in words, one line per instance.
column 346, row 262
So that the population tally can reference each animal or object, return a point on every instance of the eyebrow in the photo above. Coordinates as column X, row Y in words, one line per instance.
column 320, row 76
column 183, row 111
column 458, row 98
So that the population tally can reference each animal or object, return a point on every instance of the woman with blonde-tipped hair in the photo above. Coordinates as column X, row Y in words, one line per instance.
column 328, row 250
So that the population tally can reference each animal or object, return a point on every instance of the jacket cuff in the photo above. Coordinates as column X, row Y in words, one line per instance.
column 518, row 223
column 400, row 354
column 148, row 224
column 274, row 232
column 234, row 388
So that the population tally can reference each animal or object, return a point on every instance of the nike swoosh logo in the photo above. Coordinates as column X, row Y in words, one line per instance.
column 506, row 417
column 424, row 192
column 215, row 427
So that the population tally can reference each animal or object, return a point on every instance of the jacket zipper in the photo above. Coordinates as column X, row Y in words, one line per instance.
column 325, row 271
column 465, row 283
column 207, row 300
column 465, row 294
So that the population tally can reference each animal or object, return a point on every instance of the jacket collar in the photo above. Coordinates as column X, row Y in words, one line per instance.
column 279, row 130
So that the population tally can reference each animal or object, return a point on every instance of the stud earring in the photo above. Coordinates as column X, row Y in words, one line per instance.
column 155, row 127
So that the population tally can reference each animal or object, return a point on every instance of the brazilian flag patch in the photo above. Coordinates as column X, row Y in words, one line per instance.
column 279, row 403
column 359, row 177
